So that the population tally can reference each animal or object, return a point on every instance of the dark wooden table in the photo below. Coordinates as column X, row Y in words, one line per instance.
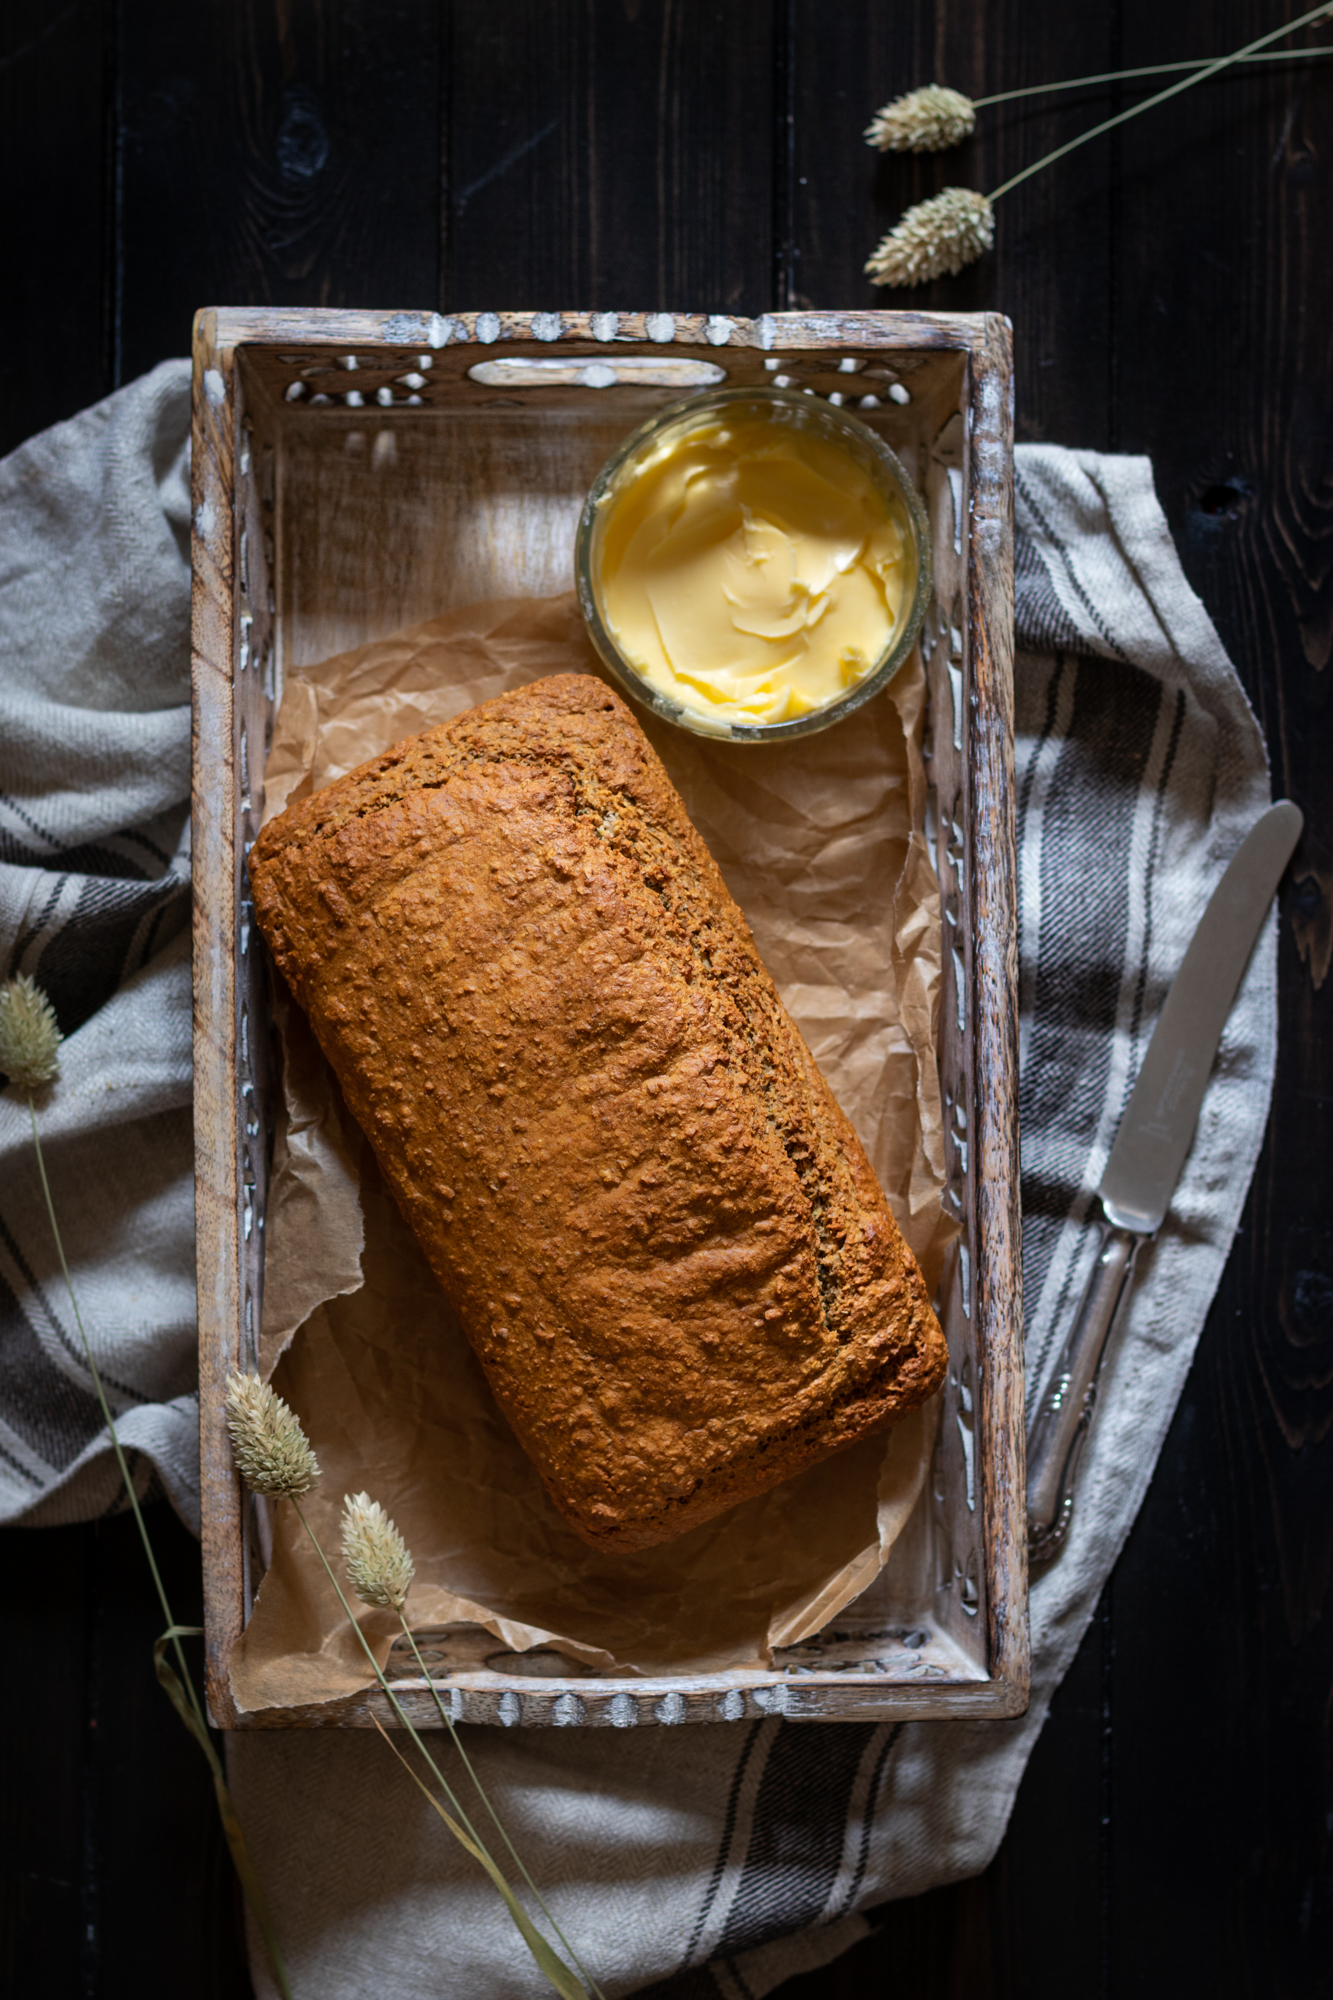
column 1171, row 288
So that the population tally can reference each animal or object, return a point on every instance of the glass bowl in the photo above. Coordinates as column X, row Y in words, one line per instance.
column 803, row 412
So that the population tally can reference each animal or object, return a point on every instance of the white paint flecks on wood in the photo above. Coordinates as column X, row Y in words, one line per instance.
column 318, row 526
column 541, row 371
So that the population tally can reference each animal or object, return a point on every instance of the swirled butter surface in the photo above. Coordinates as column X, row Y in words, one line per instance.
column 752, row 570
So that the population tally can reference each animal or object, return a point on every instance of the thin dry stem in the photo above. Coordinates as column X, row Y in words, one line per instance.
column 447, row 1719
column 393, row 1700
column 179, row 1686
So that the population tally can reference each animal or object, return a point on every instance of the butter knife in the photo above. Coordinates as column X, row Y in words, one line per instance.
column 1144, row 1164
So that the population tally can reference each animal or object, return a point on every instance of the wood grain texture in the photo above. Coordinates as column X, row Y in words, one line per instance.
column 116, row 1878
column 992, row 907
column 47, row 1907
column 1236, row 1539
column 57, row 245
column 610, row 155
column 1052, row 266
column 218, row 1192
column 290, row 149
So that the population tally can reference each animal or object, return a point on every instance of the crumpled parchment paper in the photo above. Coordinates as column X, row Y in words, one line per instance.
column 822, row 843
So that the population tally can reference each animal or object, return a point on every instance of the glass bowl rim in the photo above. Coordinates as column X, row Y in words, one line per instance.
column 816, row 413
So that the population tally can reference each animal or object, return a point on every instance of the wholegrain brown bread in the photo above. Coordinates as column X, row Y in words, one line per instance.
column 547, row 1014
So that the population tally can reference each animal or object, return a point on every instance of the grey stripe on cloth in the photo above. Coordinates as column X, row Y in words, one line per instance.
column 685, row 1864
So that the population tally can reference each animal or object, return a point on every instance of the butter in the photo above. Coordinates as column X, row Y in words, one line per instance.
column 752, row 570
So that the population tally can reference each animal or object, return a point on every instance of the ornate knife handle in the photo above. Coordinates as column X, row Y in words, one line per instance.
column 1062, row 1418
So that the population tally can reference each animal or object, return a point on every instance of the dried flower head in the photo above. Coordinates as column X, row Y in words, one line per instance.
column 272, row 1452
column 378, row 1560
column 924, row 121
column 943, row 234
column 29, row 1037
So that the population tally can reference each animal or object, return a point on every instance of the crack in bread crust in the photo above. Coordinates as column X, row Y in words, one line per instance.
column 660, row 1232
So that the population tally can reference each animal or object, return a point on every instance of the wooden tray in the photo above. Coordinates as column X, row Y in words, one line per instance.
column 479, row 435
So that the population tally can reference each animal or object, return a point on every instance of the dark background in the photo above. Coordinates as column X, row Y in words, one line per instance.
column 1171, row 288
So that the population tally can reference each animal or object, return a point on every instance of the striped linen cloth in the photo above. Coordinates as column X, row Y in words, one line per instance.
column 684, row 1863
column 95, row 905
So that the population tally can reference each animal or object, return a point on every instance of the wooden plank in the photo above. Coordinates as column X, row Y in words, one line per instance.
column 275, row 155
column 1232, row 1545
column 57, row 80
column 1222, row 334
column 117, row 1880
column 217, row 1168
column 1050, row 270
column 45, row 1905
column 992, row 904
column 170, row 1908
column 1044, row 1891
column 610, row 155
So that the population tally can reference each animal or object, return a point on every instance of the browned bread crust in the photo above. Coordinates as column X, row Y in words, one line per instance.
column 547, row 1014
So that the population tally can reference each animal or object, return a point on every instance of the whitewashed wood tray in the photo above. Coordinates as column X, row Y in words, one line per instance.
column 481, row 434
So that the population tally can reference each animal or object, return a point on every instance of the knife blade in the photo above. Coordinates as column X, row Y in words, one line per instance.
column 1145, row 1162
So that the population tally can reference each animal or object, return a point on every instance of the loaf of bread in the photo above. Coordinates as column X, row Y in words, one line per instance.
column 545, row 1011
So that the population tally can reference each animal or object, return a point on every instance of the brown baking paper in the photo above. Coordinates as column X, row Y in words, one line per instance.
column 821, row 841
